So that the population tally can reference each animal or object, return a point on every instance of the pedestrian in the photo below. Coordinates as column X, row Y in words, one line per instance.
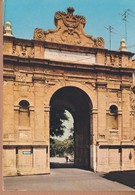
column 66, row 158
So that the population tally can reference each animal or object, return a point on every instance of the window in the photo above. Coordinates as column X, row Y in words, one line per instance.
column 113, row 110
column 113, row 117
column 24, row 113
column 24, row 104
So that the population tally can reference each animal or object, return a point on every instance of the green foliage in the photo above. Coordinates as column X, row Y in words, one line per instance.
column 57, row 128
column 69, row 145
column 60, row 148
column 57, row 148
column 58, row 116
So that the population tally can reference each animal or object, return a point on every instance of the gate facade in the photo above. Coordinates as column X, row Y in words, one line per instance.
column 67, row 67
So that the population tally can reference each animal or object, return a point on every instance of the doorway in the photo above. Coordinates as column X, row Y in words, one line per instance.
column 78, row 103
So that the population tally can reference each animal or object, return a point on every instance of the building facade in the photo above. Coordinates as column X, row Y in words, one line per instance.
column 69, row 69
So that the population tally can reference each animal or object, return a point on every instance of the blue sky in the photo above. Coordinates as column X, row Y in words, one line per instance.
column 26, row 15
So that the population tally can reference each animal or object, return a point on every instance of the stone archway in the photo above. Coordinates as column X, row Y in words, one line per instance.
column 79, row 104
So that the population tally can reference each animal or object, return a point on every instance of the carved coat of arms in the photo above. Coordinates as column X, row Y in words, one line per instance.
column 69, row 30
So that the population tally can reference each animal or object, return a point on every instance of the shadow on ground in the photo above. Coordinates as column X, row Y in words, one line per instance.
column 61, row 165
column 54, row 165
column 123, row 177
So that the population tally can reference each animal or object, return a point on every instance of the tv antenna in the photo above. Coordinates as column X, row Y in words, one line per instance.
column 4, row 11
column 125, row 15
column 110, row 29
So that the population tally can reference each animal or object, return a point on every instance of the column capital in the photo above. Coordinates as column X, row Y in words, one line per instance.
column 31, row 108
column 101, row 84
column 94, row 111
column 16, row 107
column 46, row 108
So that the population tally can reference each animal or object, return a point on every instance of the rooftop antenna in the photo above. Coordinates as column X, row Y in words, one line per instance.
column 125, row 15
column 110, row 28
column 4, row 11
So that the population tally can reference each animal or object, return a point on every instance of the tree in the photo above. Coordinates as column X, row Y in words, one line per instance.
column 57, row 128
column 69, row 145
column 58, row 116
column 61, row 148
column 57, row 147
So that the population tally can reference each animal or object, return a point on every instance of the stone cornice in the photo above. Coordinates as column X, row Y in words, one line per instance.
column 25, row 145
column 114, row 146
column 64, row 47
column 66, row 65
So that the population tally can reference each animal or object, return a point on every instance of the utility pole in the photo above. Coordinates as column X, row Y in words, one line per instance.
column 125, row 15
column 110, row 28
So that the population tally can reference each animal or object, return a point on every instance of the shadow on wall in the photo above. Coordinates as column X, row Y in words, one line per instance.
column 124, row 177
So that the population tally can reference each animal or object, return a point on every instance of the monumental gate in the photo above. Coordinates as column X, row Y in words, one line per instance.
column 67, row 68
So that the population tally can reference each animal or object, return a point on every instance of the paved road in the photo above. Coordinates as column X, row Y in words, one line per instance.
column 64, row 179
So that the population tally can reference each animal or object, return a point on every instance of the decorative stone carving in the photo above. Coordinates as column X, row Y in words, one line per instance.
column 8, row 29
column 31, row 53
column 21, row 77
column 123, row 46
column 23, row 51
column 69, row 30
column 120, row 60
column 99, row 42
column 107, row 59
column 70, row 37
column 39, row 34
column 70, row 20
column 14, row 51
column 114, row 60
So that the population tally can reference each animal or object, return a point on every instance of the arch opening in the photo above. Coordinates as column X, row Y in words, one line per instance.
column 76, row 102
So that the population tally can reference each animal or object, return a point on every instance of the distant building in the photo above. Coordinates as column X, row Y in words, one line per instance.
column 67, row 68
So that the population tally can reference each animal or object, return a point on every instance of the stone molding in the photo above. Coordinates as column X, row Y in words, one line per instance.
column 95, row 67
column 132, row 101
column 46, row 108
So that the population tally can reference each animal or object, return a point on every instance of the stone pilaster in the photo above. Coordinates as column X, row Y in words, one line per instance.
column 47, row 133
